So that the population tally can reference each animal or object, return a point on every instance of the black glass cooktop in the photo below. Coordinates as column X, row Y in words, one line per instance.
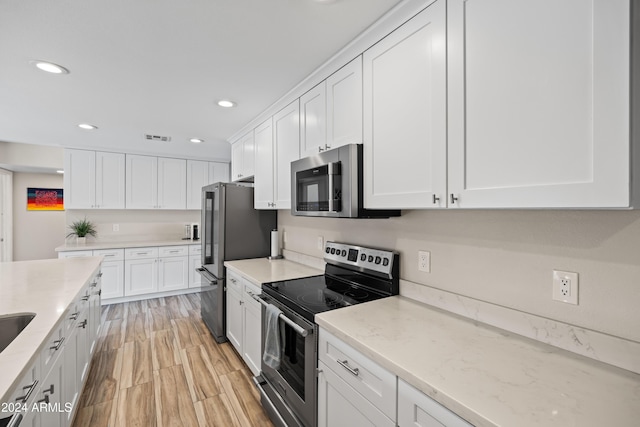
column 311, row 295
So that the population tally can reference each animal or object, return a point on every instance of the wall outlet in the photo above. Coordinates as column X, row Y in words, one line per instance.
column 424, row 261
column 565, row 287
column 320, row 243
column 116, row 227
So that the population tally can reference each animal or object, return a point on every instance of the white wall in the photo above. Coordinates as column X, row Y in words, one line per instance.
column 35, row 233
column 506, row 257
column 31, row 155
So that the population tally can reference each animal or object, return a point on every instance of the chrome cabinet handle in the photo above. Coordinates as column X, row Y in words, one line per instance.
column 85, row 298
column 74, row 316
column 58, row 344
column 345, row 365
column 49, row 390
column 31, row 387
column 320, row 149
column 94, row 284
column 326, row 147
column 454, row 199
column 83, row 324
column 436, row 199
column 45, row 399
column 100, row 274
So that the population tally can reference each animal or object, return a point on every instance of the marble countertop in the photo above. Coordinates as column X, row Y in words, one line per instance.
column 91, row 245
column 46, row 288
column 487, row 376
column 263, row 270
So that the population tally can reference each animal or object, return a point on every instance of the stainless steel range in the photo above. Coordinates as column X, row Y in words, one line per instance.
column 353, row 274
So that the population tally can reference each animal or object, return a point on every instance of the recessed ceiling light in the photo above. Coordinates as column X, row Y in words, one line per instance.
column 60, row 171
column 87, row 126
column 196, row 140
column 50, row 67
column 226, row 103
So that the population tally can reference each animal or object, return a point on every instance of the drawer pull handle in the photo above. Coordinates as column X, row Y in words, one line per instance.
column 100, row 274
column 58, row 344
column 49, row 390
column 31, row 387
column 74, row 316
column 85, row 298
column 94, row 284
column 174, row 252
column 45, row 399
column 345, row 365
column 83, row 324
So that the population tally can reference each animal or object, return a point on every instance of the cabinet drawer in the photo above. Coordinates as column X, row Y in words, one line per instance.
column 110, row 254
column 27, row 386
column 53, row 347
column 371, row 380
column 195, row 249
column 141, row 253
column 74, row 254
column 235, row 282
column 167, row 251
column 416, row 408
column 251, row 288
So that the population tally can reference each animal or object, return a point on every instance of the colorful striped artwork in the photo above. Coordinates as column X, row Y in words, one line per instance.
column 45, row 199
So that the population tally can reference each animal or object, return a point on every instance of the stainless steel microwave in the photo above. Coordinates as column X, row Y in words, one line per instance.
column 329, row 184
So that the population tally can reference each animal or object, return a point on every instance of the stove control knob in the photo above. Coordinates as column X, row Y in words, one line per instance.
column 328, row 249
column 378, row 260
column 370, row 258
column 333, row 251
column 363, row 257
column 385, row 262
column 344, row 252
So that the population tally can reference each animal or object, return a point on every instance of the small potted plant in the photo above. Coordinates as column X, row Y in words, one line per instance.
column 81, row 228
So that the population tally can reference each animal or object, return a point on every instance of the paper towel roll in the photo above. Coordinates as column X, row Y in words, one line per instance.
column 275, row 244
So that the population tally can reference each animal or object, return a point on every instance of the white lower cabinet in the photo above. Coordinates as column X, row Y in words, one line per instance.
column 419, row 410
column 244, row 319
column 140, row 271
column 112, row 272
column 51, row 393
column 173, row 268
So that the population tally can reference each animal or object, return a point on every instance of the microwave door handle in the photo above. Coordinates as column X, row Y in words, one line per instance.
column 330, row 191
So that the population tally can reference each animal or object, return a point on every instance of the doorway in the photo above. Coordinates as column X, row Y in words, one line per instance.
column 6, row 215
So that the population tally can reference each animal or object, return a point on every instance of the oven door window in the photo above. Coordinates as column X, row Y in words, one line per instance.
column 292, row 363
column 319, row 189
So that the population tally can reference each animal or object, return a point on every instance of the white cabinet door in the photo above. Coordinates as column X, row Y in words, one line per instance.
column 340, row 405
column 419, row 410
column 405, row 106
column 218, row 172
column 82, row 347
column 71, row 382
column 110, row 180
column 539, row 121
column 112, row 279
column 195, row 279
column 344, row 105
column 313, row 121
column 142, row 182
column 173, row 273
column 236, row 160
column 248, row 160
column 79, row 179
column 197, row 177
column 172, row 183
column 286, row 134
column 234, row 318
column 264, row 177
column 252, row 346
column 51, row 389
column 140, row 276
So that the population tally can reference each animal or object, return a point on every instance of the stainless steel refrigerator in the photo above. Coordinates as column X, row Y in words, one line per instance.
column 231, row 229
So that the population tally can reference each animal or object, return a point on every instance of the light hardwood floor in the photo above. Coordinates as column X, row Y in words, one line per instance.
column 156, row 364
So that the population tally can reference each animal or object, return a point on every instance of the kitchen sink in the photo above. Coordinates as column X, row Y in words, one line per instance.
column 11, row 326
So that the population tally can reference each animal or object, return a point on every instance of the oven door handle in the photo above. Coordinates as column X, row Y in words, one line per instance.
column 299, row 329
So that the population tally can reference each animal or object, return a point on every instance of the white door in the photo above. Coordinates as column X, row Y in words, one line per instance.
column 286, row 134
column 197, row 177
column 173, row 273
column 218, row 172
column 110, row 180
column 264, row 179
column 6, row 215
column 172, row 183
column 234, row 318
column 112, row 279
column 252, row 334
column 195, row 279
column 405, row 106
column 313, row 121
column 344, row 105
column 539, row 110
column 140, row 276
column 141, row 182
column 79, row 179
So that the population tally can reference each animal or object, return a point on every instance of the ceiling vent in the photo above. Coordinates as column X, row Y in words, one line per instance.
column 157, row 138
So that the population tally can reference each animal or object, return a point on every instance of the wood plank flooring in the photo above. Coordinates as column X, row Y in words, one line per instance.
column 157, row 365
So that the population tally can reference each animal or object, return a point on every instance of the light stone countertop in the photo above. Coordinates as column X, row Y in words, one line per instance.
column 263, row 270
column 487, row 376
column 46, row 288
column 91, row 245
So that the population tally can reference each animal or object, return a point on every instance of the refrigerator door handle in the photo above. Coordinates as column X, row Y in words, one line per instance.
column 208, row 276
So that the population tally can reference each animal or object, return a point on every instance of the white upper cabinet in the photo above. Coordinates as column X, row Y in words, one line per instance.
column 172, row 183
column 286, row 139
column 331, row 112
column 539, row 103
column 313, row 121
column 197, row 177
column 94, row 180
column 242, row 158
column 344, row 105
column 218, row 172
column 405, row 108
column 264, row 178
column 156, row 182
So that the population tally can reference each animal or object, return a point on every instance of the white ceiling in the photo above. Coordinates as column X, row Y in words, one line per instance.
column 159, row 66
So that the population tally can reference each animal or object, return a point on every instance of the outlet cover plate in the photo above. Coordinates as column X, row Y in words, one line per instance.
column 424, row 261
column 565, row 287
